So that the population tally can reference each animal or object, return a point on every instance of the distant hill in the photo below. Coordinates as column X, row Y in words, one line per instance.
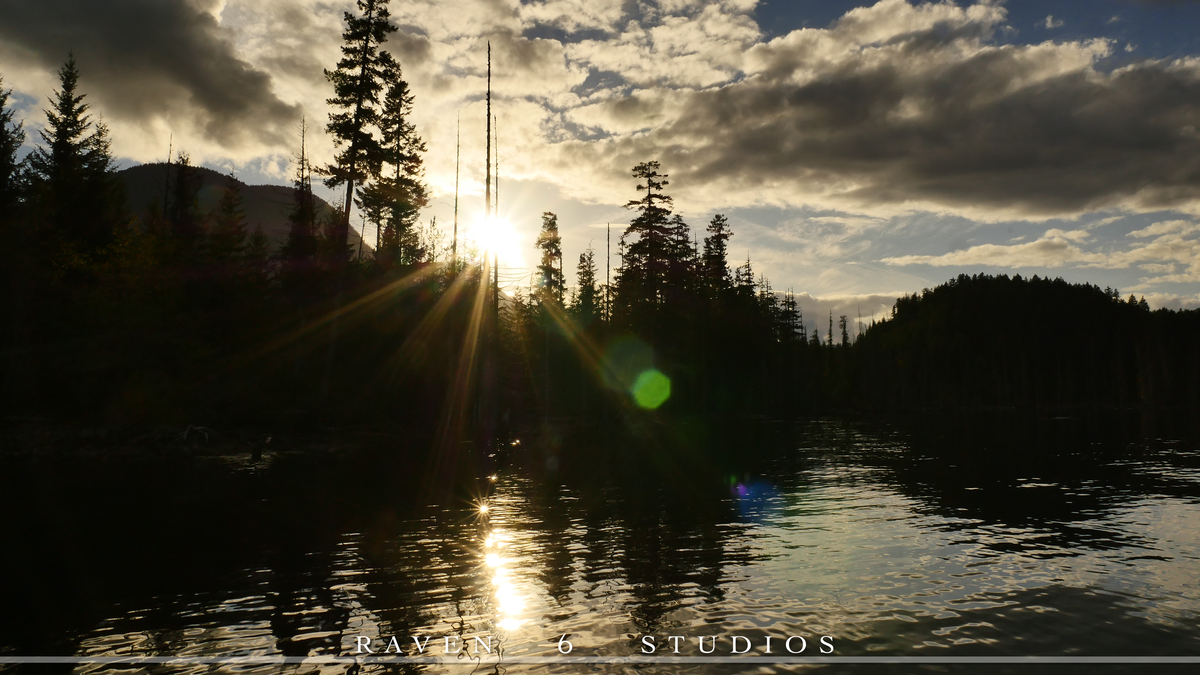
column 265, row 205
column 987, row 341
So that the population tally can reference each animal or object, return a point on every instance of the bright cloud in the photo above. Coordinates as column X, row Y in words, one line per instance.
column 1172, row 256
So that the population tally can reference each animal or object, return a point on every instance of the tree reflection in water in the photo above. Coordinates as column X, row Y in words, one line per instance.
column 971, row 538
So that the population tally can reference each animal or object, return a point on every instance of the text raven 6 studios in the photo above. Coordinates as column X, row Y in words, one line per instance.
column 451, row 645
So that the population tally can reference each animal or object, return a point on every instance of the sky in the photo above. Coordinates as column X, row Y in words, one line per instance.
column 860, row 150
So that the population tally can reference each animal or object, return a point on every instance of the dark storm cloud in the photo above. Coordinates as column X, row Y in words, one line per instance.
column 524, row 55
column 933, row 116
column 962, row 135
column 410, row 48
column 140, row 59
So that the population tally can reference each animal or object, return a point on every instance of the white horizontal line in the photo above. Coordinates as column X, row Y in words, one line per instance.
column 474, row 661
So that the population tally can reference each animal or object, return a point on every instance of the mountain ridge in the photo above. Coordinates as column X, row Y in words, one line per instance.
column 265, row 206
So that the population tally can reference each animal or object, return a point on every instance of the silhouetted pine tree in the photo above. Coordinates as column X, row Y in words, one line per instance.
column 12, row 136
column 329, row 236
column 395, row 199
column 13, row 257
column 768, row 304
column 743, row 279
column 184, row 217
column 586, row 305
column 793, row 320
column 715, row 260
column 387, row 252
column 358, row 82
column 372, row 202
column 301, row 243
column 227, row 238
column 74, row 194
column 647, row 248
column 682, row 265
column 429, row 243
column 552, row 284
column 256, row 254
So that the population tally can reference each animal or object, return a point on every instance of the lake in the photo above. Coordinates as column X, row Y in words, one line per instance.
column 946, row 538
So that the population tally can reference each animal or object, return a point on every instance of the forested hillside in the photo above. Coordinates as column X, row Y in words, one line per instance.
column 147, row 188
column 1000, row 341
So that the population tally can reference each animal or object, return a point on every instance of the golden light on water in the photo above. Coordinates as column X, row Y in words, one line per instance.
column 501, row 566
column 509, row 602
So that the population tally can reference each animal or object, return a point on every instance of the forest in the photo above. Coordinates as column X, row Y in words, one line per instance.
column 120, row 314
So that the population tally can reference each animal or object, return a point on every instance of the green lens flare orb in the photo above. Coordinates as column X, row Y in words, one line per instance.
column 651, row 389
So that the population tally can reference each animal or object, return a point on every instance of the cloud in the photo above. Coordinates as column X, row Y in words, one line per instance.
column 1165, row 227
column 574, row 16
column 816, row 310
column 1171, row 257
column 1051, row 22
column 1172, row 300
column 1054, row 249
column 1072, row 235
column 145, row 63
column 818, row 238
column 893, row 108
column 899, row 107
column 1158, row 267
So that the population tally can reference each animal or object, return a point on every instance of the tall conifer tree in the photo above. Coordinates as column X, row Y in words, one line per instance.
column 12, row 136
column 550, row 268
column 72, row 172
column 358, row 82
column 227, row 239
column 256, row 254
column 715, row 261
column 395, row 199
column 301, row 243
column 646, row 245
column 587, row 295
column 183, row 213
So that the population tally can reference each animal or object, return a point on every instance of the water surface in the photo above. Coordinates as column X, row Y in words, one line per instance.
column 1043, row 542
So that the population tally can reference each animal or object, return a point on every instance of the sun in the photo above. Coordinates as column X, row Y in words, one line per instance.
column 497, row 235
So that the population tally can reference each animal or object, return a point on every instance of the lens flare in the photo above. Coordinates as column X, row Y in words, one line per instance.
column 651, row 389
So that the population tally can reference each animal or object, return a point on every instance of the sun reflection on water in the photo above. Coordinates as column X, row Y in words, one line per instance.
column 509, row 600
column 830, row 543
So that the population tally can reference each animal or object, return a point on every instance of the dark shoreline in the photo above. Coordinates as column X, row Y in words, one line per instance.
column 34, row 435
